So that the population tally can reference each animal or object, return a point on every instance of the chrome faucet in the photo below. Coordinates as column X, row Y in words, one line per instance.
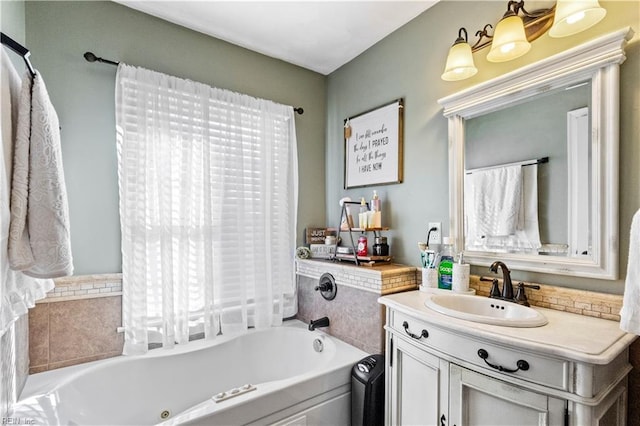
column 507, row 286
column 322, row 322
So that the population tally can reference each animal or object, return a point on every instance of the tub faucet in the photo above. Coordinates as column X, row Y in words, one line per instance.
column 322, row 322
column 507, row 286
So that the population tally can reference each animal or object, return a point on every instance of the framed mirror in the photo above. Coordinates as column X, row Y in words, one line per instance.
column 533, row 163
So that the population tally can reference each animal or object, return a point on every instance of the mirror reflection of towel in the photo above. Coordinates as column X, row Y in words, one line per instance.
column 519, row 231
column 496, row 194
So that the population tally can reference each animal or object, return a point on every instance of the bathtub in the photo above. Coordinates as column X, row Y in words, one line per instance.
column 262, row 377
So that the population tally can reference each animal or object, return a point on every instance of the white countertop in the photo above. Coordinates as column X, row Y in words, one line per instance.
column 577, row 337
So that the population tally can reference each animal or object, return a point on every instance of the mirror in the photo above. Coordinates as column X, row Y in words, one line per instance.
column 542, row 160
column 559, row 216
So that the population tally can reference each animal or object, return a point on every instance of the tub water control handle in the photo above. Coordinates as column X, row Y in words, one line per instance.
column 327, row 286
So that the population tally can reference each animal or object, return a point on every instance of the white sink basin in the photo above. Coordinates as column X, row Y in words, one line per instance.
column 485, row 310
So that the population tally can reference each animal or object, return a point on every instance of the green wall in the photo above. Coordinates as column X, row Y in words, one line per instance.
column 12, row 23
column 58, row 33
column 408, row 64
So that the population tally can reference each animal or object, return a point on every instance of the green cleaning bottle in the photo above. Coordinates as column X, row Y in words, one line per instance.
column 445, row 268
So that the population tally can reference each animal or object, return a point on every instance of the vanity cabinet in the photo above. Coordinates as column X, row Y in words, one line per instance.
column 481, row 400
column 445, row 371
column 415, row 380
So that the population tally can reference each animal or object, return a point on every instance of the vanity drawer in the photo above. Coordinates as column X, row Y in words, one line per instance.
column 507, row 361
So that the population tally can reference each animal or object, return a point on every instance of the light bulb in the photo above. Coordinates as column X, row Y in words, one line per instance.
column 575, row 18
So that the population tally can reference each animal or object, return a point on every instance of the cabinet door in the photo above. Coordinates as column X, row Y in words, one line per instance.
column 415, row 380
column 479, row 400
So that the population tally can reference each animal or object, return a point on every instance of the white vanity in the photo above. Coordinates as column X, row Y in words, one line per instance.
column 446, row 371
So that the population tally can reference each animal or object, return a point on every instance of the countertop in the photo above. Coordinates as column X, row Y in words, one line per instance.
column 576, row 337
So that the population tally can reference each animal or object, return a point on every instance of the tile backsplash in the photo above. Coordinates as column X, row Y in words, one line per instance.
column 600, row 305
column 85, row 287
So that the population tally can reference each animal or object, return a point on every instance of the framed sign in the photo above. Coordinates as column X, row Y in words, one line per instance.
column 373, row 146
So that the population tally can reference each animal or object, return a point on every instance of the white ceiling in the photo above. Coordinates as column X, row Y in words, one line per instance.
column 317, row 35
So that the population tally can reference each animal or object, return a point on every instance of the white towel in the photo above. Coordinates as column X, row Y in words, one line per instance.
column 526, row 235
column 497, row 195
column 630, row 312
column 17, row 291
column 39, row 239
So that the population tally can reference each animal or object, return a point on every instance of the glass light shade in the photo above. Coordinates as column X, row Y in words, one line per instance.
column 573, row 16
column 509, row 40
column 459, row 63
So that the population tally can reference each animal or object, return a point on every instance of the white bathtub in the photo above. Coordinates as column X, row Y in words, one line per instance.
column 293, row 384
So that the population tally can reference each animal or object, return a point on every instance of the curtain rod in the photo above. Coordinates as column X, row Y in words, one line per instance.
column 517, row 163
column 19, row 49
column 91, row 57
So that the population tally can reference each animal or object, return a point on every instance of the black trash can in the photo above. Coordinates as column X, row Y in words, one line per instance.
column 367, row 392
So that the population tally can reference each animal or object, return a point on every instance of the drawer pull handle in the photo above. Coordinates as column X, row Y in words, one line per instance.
column 521, row 364
column 424, row 333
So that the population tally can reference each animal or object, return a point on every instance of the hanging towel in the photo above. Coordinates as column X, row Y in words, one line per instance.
column 18, row 292
column 39, row 240
column 630, row 313
column 525, row 237
column 497, row 195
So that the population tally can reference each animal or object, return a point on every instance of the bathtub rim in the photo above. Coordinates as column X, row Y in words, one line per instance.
column 49, row 381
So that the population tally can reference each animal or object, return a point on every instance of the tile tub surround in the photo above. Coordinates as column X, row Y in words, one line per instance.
column 76, row 322
column 85, row 287
column 355, row 315
column 383, row 279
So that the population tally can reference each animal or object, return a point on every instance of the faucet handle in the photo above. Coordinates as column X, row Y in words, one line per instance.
column 521, row 296
column 495, row 289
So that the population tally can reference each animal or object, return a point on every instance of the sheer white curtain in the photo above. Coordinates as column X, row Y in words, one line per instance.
column 208, row 204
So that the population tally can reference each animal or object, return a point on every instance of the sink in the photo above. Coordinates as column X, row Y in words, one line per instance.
column 485, row 310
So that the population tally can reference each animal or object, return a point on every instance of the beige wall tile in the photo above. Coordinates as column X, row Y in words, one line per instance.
column 74, row 331
column 355, row 315
column 84, row 328
column 39, row 335
column 580, row 302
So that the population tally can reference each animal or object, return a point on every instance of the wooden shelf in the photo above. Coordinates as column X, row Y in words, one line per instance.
column 364, row 260
column 384, row 228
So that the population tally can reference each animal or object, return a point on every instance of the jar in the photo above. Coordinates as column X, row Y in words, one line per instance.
column 362, row 246
column 330, row 240
column 381, row 248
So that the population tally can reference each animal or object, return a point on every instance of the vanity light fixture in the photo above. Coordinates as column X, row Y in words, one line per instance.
column 509, row 39
column 574, row 16
column 517, row 29
column 460, row 59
